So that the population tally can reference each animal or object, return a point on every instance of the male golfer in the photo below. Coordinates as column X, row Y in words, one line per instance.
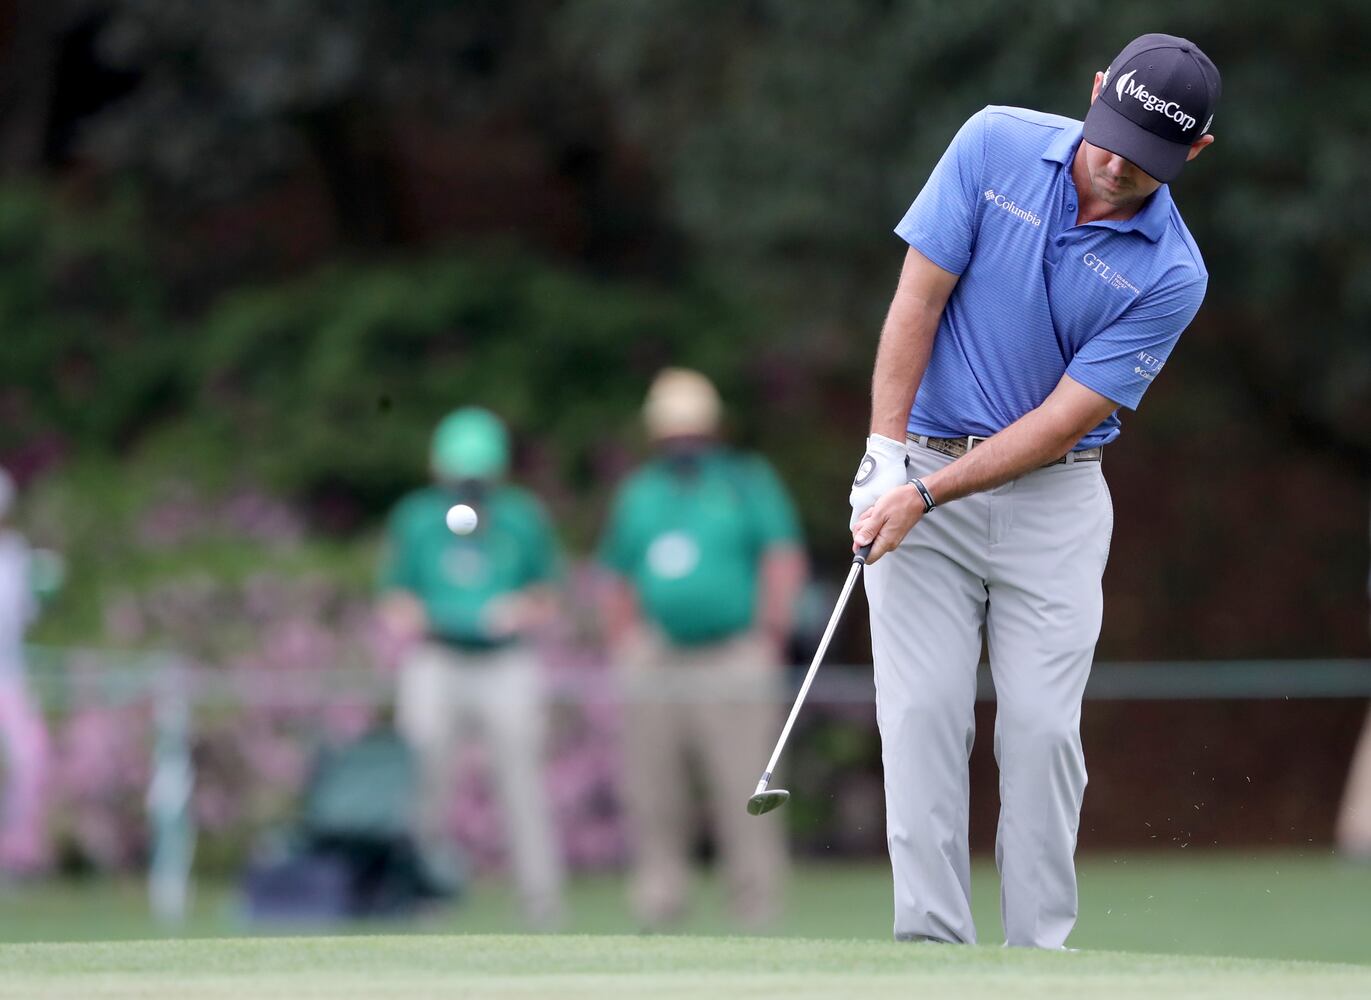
column 1047, row 280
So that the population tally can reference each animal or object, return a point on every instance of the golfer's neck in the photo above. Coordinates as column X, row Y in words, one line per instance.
column 1093, row 208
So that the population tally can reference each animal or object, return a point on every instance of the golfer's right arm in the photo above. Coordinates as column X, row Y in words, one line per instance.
column 901, row 359
column 906, row 342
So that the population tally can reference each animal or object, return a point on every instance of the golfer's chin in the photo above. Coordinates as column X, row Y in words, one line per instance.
column 1118, row 195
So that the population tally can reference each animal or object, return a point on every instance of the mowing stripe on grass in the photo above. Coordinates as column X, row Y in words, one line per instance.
column 622, row 966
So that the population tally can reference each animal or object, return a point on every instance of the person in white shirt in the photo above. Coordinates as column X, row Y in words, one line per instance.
column 24, row 847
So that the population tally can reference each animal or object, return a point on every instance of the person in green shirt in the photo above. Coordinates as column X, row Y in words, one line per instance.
column 704, row 561
column 468, row 604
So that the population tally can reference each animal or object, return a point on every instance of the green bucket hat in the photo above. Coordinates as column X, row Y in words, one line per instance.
column 470, row 443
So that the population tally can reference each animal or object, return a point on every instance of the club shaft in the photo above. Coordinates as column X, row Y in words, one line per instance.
column 813, row 669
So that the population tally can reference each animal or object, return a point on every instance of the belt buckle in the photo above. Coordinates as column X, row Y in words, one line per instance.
column 971, row 440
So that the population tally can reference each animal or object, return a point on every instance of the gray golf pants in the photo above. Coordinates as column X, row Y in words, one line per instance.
column 1018, row 566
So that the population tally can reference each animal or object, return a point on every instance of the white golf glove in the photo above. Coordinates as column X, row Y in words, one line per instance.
column 883, row 468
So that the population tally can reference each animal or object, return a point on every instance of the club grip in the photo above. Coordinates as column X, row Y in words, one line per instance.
column 861, row 554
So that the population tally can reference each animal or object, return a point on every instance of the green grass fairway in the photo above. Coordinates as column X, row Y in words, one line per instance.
column 417, row 967
column 1277, row 905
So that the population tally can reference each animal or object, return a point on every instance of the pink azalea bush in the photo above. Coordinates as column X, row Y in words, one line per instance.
column 278, row 661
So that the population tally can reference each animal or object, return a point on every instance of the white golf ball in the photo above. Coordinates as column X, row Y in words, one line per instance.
column 461, row 519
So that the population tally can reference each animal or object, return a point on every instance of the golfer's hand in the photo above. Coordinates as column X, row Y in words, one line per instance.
column 885, row 524
column 882, row 469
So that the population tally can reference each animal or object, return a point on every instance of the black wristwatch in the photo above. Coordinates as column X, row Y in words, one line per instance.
column 918, row 484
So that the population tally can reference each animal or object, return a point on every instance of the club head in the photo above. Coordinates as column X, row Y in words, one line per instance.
column 764, row 802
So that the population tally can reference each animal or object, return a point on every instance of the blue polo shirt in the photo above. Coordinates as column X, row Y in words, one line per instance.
column 1038, row 295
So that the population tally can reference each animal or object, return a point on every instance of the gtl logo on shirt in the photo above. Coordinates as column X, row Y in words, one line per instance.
column 1000, row 201
column 1107, row 273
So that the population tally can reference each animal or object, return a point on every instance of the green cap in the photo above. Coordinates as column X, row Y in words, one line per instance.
column 470, row 443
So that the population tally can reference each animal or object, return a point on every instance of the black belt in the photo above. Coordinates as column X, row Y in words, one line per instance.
column 959, row 446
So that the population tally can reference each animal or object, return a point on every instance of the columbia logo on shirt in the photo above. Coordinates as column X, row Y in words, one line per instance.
column 1000, row 201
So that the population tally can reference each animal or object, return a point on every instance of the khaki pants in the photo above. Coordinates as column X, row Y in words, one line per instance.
column 442, row 691
column 1354, row 819
column 715, row 706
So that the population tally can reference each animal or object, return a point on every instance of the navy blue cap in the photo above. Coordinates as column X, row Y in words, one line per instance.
column 1158, row 98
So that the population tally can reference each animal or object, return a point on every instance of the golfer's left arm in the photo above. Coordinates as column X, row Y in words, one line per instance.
column 1040, row 436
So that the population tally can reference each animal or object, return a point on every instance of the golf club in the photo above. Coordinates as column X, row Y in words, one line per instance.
column 766, row 799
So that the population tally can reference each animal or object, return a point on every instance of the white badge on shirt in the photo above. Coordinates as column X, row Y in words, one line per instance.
column 673, row 555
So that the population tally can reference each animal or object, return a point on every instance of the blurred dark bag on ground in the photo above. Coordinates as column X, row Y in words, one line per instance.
column 351, row 854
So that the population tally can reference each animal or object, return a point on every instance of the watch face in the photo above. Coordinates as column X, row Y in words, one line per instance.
column 866, row 470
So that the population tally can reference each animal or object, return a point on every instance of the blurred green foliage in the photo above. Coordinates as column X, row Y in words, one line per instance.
column 350, row 217
column 787, row 137
column 86, row 352
column 328, row 388
column 322, row 391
